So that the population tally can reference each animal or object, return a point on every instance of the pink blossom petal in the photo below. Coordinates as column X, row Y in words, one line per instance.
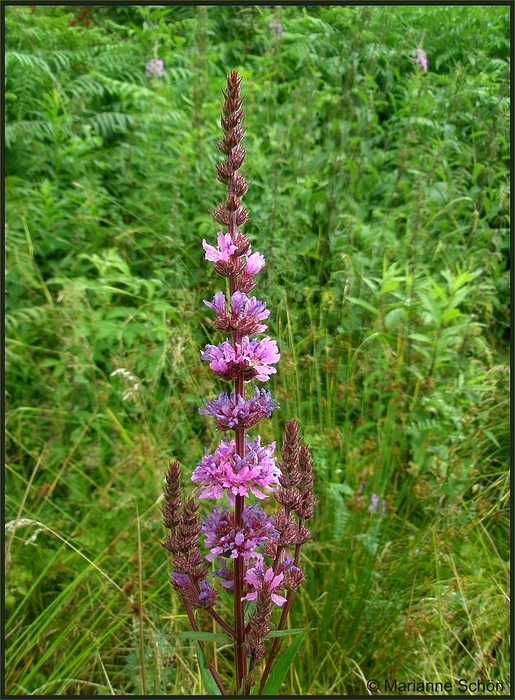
column 278, row 599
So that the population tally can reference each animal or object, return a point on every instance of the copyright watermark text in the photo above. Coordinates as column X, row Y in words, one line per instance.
column 459, row 686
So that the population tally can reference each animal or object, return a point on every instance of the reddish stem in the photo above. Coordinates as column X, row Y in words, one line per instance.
column 196, row 628
column 232, row 111
column 239, row 621
column 282, row 622
column 223, row 624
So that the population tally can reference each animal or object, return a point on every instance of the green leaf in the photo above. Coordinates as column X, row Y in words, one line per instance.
column 206, row 637
column 389, row 286
column 284, row 633
column 432, row 307
column 364, row 304
column 492, row 437
column 282, row 664
column 394, row 317
column 420, row 337
column 207, row 678
column 450, row 314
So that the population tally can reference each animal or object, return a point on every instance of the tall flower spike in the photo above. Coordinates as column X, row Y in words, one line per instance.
column 290, row 453
column 228, row 258
column 250, row 549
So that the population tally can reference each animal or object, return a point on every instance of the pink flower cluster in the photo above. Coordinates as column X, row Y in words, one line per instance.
column 226, row 471
column 265, row 581
column 226, row 539
column 420, row 59
column 249, row 358
column 232, row 412
column 244, row 314
column 276, row 28
column 234, row 257
column 155, row 68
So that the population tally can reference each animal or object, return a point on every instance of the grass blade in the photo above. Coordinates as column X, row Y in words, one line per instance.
column 205, row 636
column 282, row 664
column 209, row 683
column 285, row 633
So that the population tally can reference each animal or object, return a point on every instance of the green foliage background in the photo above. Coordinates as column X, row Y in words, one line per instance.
column 380, row 199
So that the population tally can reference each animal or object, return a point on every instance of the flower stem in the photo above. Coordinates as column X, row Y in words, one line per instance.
column 239, row 622
column 196, row 628
column 275, row 644
column 223, row 624
column 282, row 622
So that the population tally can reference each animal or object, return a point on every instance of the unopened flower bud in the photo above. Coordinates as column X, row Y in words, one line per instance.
column 231, row 139
column 307, row 507
column 288, row 498
column 224, row 171
column 237, row 157
column 293, row 577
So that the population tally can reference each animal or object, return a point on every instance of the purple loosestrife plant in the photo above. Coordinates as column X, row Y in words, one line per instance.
column 419, row 58
column 155, row 68
column 253, row 556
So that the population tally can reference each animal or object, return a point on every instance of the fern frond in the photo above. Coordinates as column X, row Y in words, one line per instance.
column 376, row 51
column 173, row 117
column 64, row 59
column 32, row 315
column 23, row 266
column 86, row 85
column 30, row 61
column 108, row 123
column 35, row 129
column 123, row 90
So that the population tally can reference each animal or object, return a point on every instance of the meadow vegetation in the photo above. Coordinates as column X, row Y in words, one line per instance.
column 380, row 198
